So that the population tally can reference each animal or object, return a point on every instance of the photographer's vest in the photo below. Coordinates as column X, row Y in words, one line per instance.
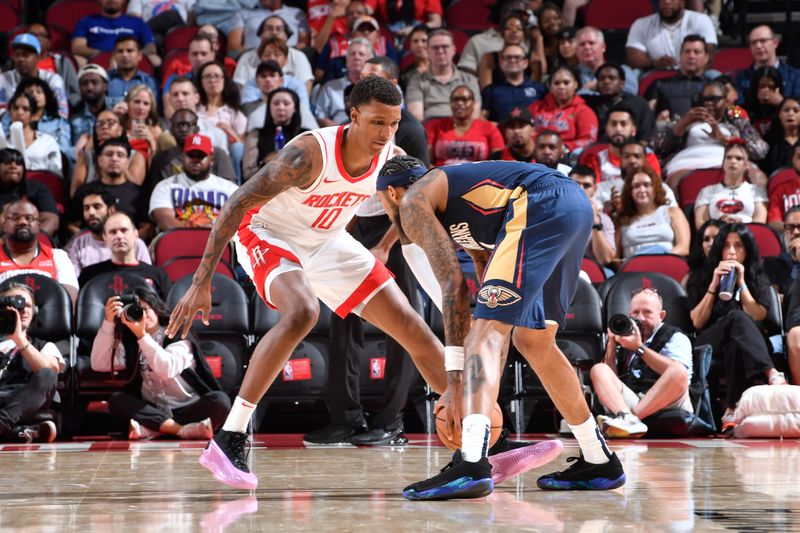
column 43, row 263
column 633, row 371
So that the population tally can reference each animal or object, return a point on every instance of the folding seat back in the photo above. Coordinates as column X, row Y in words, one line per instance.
column 469, row 15
column 178, row 38
column 615, row 14
column 728, row 59
column 651, row 77
column 229, row 307
column 768, row 242
column 184, row 242
column 179, row 267
column 581, row 338
column 693, row 183
column 52, row 320
column 593, row 269
column 674, row 266
column 67, row 13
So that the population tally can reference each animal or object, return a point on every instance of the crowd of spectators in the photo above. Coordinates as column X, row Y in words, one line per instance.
column 145, row 136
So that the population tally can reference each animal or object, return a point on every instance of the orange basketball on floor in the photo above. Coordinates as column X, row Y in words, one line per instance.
column 441, row 424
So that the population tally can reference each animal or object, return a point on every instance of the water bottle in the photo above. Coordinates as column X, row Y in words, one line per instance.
column 280, row 139
column 726, row 285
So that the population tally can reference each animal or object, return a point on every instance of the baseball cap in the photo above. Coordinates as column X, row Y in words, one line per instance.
column 517, row 114
column 26, row 39
column 92, row 68
column 269, row 64
column 366, row 19
column 567, row 33
column 198, row 142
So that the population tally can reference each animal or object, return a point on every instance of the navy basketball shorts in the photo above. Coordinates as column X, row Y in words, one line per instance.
column 533, row 272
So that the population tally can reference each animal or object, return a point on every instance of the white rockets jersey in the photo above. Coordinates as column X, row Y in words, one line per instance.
column 308, row 217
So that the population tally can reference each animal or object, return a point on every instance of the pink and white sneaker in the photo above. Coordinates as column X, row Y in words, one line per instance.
column 519, row 459
column 224, row 457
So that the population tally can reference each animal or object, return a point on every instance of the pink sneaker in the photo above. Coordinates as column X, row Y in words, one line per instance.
column 515, row 461
column 224, row 456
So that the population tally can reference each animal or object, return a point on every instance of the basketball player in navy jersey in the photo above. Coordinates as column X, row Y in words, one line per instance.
column 526, row 227
column 289, row 220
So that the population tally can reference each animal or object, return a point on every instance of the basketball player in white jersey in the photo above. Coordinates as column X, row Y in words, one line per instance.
column 289, row 221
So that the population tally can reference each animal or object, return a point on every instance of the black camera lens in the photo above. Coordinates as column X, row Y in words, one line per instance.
column 133, row 312
column 621, row 325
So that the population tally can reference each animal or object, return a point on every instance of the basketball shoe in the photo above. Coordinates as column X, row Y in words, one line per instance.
column 224, row 456
column 623, row 426
column 459, row 479
column 585, row 476
column 511, row 458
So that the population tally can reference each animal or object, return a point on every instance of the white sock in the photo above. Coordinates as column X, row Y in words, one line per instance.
column 592, row 443
column 239, row 416
column 475, row 437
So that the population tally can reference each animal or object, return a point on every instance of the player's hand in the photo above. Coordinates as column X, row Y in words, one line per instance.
column 197, row 298
column 452, row 405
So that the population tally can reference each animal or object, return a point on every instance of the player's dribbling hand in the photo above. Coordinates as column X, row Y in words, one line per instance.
column 452, row 407
column 197, row 298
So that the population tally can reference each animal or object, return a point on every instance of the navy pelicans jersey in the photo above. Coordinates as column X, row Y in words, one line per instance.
column 480, row 193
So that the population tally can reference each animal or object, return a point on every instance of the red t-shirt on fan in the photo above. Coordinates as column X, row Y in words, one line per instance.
column 448, row 148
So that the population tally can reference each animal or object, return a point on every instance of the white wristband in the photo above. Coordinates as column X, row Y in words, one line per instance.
column 454, row 358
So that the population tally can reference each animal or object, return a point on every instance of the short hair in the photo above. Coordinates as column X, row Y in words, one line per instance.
column 462, row 86
column 592, row 29
column 695, row 38
column 439, row 32
column 95, row 188
column 277, row 42
column 724, row 79
column 10, row 286
column 182, row 79
column 549, row 132
column 201, row 37
column 771, row 31
column 631, row 141
column 583, row 170
column 615, row 66
column 622, row 107
column 363, row 41
column 791, row 210
column 115, row 141
column 386, row 64
column 399, row 163
column 128, row 37
column 183, row 110
column 375, row 88
column 286, row 29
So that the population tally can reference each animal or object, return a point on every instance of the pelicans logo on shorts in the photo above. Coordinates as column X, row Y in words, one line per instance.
column 494, row 296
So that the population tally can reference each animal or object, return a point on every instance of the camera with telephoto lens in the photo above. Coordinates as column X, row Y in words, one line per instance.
column 131, row 309
column 623, row 325
column 8, row 319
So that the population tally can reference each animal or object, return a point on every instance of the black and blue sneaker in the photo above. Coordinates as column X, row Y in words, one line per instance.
column 459, row 479
column 583, row 475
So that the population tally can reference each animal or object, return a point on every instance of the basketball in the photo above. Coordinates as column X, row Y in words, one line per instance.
column 441, row 425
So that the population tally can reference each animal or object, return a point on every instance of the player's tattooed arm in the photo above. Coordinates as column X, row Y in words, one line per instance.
column 420, row 224
column 297, row 165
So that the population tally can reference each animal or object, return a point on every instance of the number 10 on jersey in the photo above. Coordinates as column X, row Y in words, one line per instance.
column 326, row 219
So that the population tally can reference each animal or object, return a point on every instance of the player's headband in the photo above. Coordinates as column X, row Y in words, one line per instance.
column 401, row 179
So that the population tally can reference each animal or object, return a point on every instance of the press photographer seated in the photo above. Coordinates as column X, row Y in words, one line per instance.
column 647, row 368
column 28, row 368
column 171, row 389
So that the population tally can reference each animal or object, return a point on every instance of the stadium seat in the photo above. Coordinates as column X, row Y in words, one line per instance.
column 460, row 39
column 8, row 17
column 171, row 57
column 728, row 59
column 672, row 265
column 15, row 4
column 53, row 182
column 583, row 329
column 779, row 177
column 229, row 305
column 178, row 267
column 773, row 322
column 184, row 242
column 615, row 14
column 691, row 185
column 53, row 318
column 59, row 39
column 617, row 291
column 768, row 241
column 593, row 269
column 66, row 14
column 305, row 375
column 178, row 38
column 469, row 15
column 647, row 80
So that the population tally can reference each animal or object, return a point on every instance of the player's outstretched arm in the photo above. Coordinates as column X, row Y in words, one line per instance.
column 297, row 165
column 421, row 226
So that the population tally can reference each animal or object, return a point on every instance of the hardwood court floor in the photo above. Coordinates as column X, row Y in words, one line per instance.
column 673, row 485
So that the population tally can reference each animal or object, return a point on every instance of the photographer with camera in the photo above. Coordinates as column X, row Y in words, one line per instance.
column 170, row 390
column 28, row 368
column 647, row 368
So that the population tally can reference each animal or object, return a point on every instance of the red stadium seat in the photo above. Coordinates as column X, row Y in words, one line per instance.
column 178, row 38
column 16, row 5
column 727, row 59
column 674, row 266
column 647, row 80
column 469, row 15
column 8, row 17
column 178, row 267
column 184, row 242
column 53, row 182
column 66, row 14
column 460, row 39
column 768, row 241
column 781, row 176
column 593, row 270
column 693, row 182
column 615, row 14
column 59, row 40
